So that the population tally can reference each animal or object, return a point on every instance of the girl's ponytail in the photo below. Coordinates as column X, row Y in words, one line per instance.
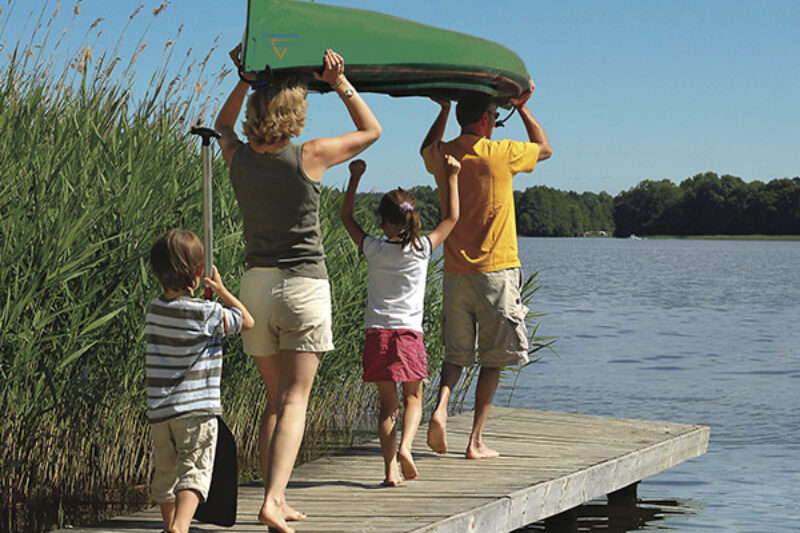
column 399, row 207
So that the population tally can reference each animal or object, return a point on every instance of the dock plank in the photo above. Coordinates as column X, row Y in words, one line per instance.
column 550, row 462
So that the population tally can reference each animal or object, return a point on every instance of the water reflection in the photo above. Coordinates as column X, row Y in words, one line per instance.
column 617, row 517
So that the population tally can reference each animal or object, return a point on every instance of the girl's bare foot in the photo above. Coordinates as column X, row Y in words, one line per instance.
column 478, row 450
column 271, row 515
column 393, row 478
column 437, row 433
column 407, row 463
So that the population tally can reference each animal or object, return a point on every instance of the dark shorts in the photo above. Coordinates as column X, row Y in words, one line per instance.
column 394, row 355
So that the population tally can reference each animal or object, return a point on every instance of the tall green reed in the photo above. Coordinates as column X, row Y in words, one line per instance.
column 87, row 179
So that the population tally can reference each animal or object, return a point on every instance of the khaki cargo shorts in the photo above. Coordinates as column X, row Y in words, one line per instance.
column 183, row 456
column 291, row 312
column 484, row 311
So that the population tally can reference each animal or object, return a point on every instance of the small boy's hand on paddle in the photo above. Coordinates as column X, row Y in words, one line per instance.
column 333, row 65
column 357, row 168
column 215, row 282
column 451, row 164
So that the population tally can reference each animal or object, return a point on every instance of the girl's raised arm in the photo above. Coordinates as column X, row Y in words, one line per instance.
column 450, row 212
column 357, row 169
column 321, row 154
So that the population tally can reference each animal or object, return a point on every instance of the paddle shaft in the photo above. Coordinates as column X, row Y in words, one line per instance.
column 206, row 134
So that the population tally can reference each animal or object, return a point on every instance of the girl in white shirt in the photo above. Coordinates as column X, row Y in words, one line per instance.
column 394, row 350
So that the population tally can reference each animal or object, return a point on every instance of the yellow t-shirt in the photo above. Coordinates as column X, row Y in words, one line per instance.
column 485, row 236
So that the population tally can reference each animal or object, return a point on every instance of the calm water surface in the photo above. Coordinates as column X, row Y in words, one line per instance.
column 699, row 332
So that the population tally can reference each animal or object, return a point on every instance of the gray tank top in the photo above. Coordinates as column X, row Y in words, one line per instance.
column 280, row 210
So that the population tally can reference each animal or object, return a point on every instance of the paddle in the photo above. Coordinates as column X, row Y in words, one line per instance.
column 220, row 505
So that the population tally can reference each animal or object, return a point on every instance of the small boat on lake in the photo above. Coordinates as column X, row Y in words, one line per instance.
column 383, row 54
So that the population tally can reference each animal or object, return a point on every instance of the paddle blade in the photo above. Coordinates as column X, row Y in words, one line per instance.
column 220, row 506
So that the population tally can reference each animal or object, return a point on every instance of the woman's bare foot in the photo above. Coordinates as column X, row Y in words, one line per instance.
column 437, row 433
column 290, row 514
column 271, row 515
column 407, row 463
column 478, row 450
column 391, row 482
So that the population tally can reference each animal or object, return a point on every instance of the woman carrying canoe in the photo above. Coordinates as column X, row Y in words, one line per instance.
column 285, row 285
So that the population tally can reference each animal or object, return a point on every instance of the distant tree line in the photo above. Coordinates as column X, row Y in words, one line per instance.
column 540, row 211
column 705, row 204
column 545, row 212
column 709, row 205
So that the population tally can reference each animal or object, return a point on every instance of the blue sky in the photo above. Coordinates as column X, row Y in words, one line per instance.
column 626, row 90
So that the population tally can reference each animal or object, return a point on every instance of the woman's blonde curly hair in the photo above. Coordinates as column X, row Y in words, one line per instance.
column 276, row 113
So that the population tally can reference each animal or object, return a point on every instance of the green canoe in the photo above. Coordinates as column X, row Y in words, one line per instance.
column 383, row 54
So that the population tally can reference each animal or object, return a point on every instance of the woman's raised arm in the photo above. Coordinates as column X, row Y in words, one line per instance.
column 226, row 120
column 321, row 154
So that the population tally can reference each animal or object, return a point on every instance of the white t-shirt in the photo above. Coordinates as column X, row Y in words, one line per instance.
column 395, row 283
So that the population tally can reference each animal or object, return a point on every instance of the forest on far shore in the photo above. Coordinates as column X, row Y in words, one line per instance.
column 706, row 204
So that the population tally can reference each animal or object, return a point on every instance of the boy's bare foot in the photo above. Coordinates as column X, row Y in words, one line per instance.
column 391, row 482
column 407, row 463
column 478, row 450
column 272, row 516
column 437, row 434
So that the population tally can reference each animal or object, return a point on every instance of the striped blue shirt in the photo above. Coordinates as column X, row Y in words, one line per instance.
column 184, row 355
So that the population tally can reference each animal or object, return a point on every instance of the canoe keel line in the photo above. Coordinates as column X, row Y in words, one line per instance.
column 384, row 54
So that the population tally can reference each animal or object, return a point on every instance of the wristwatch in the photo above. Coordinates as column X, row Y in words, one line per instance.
column 348, row 93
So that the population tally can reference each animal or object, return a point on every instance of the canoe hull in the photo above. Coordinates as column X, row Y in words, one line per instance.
column 383, row 54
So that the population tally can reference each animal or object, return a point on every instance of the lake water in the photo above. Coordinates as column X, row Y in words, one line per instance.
column 698, row 332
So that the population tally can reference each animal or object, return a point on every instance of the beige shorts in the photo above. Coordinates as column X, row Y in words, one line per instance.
column 291, row 312
column 183, row 456
column 485, row 311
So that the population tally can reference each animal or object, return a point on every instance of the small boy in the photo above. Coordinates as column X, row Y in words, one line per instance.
column 183, row 370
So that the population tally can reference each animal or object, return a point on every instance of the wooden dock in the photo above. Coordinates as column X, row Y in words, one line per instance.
column 550, row 462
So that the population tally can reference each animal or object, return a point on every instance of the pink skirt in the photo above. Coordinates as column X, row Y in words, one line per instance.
column 394, row 355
